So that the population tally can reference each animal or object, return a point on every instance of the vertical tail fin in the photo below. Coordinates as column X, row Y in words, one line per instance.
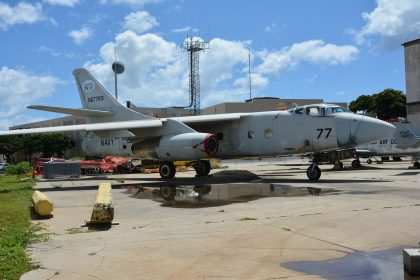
column 406, row 135
column 95, row 97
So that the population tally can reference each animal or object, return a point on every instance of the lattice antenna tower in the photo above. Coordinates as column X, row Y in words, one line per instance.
column 194, row 46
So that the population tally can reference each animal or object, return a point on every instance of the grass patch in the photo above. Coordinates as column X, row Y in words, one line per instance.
column 16, row 229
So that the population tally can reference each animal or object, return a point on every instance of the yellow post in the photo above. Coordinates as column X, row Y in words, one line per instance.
column 42, row 203
column 103, row 211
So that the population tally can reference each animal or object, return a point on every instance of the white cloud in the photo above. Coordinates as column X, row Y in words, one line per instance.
column 81, row 35
column 184, row 29
column 139, row 22
column 133, row 3
column 21, row 13
column 155, row 73
column 156, row 70
column 271, row 28
column 53, row 52
column 311, row 79
column 18, row 89
column 257, row 82
column 220, row 60
column 394, row 21
column 313, row 51
column 69, row 3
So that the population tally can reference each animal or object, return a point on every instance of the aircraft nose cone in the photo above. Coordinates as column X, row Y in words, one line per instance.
column 370, row 130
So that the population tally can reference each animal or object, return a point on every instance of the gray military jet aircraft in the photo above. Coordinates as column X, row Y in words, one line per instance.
column 404, row 142
column 113, row 129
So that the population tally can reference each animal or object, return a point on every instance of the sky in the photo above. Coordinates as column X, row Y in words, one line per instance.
column 334, row 50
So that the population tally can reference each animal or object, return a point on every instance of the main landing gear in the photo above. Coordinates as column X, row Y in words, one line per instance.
column 313, row 172
column 356, row 163
column 338, row 165
column 167, row 169
column 202, row 167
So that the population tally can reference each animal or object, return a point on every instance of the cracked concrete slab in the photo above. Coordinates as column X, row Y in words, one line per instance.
column 370, row 209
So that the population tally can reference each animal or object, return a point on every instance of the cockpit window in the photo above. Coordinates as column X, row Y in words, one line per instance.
column 324, row 110
column 339, row 110
column 335, row 110
column 299, row 110
column 312, row 111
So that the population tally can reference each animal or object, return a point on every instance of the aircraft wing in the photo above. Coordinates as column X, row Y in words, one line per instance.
column 210, row 118
column 71, row 111
column 108, row 126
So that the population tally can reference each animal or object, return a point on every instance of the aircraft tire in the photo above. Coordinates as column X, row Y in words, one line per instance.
column 369, row 161
column 202, row 168
column 167, row 170
column 168, row 193
column 356, row 163
column 416, row 165
column 313, row 172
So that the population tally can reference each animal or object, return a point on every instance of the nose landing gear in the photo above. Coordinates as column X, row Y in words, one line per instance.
column 313, row 172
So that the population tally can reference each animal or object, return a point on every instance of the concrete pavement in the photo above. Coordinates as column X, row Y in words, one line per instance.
column 246, row 237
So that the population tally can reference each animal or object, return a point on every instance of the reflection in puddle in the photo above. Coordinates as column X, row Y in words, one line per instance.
column 387, row 264
column 219, row 194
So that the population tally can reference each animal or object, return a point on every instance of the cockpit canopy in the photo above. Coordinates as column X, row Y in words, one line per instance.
column 319, row 110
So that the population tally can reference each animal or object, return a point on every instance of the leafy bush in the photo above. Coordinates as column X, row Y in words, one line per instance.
column 21, row 168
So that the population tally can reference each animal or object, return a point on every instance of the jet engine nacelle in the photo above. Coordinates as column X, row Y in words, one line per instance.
column 104, row 146
column 185, row 146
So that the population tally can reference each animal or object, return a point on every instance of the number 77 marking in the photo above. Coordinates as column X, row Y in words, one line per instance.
column 329, row 131
column 321, row 130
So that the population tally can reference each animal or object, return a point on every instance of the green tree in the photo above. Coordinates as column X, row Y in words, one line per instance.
column 47, row 144
column 56, row 144
column 9, row 145
column 390, row 104
column 32, row 144
column 363, row 103
column 387, row 104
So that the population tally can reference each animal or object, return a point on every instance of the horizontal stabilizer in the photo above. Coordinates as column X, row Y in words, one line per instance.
column 71, row 111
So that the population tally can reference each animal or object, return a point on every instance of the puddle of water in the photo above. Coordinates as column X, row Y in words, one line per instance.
column 387, row 264
column 220, row 194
